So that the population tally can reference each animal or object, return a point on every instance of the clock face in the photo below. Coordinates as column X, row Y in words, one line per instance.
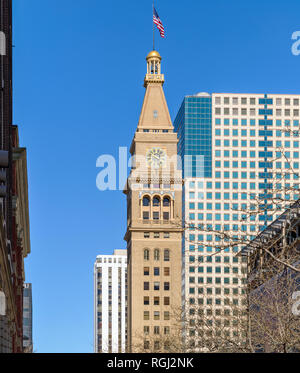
column 156, row 157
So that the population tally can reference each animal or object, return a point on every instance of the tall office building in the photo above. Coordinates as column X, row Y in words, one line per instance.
column 154, row 229
column 238, row 150
column 110, row 302
column 14, row 216
column 27, row 318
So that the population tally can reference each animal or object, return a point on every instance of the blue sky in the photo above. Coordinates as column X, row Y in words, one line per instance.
column 78, row 90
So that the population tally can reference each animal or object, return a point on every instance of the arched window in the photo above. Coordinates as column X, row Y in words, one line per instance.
column 166, row 202
column 166, row 255
column 146, row 254
column 156, row 201
column 156, row 254
column 146, row 201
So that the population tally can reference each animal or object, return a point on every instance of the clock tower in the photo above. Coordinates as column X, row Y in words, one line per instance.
column 154, row 222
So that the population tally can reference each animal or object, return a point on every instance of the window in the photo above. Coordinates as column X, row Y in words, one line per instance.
column 146, row 345
column 146, row 201
column 166, row 202
column 155, row 215
column 166, row 271
column 166, row 286
column 166, row 235
column 166, row 215
column 156, row 301
column 166, row 301
column 146, row 271
column 156, row 330
column 146, row 254
column 146, row 235
column 146, row 330
column 156, row 315
column 156, row 254
column 156, row 286
column 156, row 201
column 166, row 255
column 166, row 315
column 146, row 301
column 146, row 286
column 156, row 271
column 146, row 315
column 145, row 215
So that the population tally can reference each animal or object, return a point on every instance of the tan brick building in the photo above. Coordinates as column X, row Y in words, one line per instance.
column 154, row 233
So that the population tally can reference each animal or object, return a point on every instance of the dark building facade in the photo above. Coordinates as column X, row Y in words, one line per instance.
column 27, row 318
column 274, row 284
column 14, row 216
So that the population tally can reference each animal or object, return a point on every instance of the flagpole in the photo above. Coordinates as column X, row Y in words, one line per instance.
column 153, row 25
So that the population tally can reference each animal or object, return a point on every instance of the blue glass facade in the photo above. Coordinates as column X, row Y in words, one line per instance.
column 265, row 186
column 193, row 125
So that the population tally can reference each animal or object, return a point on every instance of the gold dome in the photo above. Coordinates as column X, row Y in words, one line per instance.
column 153, row 54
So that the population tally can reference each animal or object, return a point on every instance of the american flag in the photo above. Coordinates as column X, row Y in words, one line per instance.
column 158, row 23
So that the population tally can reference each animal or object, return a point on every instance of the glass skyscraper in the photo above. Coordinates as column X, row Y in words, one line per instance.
column 238, row 152
column 193, row 124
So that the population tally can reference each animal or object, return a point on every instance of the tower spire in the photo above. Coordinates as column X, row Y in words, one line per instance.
column 153, row 69
column 155, row 113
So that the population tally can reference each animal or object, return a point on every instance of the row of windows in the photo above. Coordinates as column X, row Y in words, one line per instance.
column 156, row 215
column 253, row 112
column 235, row 100
column 163, row 131
column 235, row 132
column 217, row 259
column 244, row 196
column 163, row 186
column 217, row 280
column 217, row 291
column 156, row 301
column 252, row 164
column 216, row 301
column 156, row 201
column 255, row 100
column 156, row 330
column 252, row 133
column 156, row 286
column 210, row 249
column 156, row 315
column 157, row 345
column 212, row 269
column 156, row 234
column 218, row 206
column 286, row 175
column 252, row 122
column 218, row 195
column 156, row 254
column 235, row 174
column 243, row 153
column 156, row 271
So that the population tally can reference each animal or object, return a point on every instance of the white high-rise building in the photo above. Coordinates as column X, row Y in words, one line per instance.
column 110, row 302
column 236, row 149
